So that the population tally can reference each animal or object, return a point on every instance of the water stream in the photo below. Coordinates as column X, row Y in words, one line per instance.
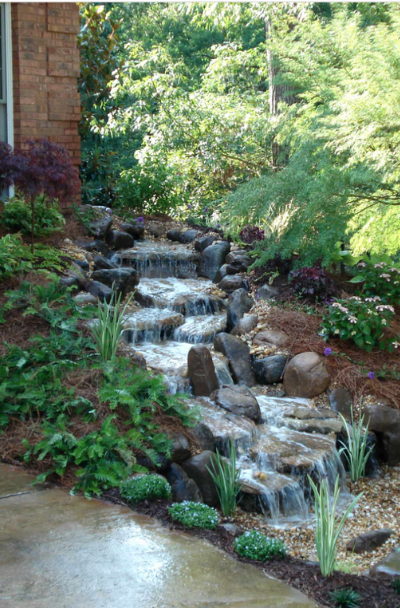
column 293, row 440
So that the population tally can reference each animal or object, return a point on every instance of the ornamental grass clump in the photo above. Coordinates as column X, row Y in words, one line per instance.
column 327, row 525
column 345, row 598
column 145, row 487
column 362, row 320
column 194, row 515
column 107, row 328
column 226, row 479
column 355, row 450
column 255, row 545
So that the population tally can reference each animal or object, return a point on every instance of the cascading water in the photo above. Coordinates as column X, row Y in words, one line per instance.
column 293, row 440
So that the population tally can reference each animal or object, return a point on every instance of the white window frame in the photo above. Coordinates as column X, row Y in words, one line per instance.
column 5, row 7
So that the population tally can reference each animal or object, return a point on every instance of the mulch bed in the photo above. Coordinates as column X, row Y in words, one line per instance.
column 375, row 591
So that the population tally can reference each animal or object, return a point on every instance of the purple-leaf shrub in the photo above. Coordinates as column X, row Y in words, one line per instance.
column 249, row 234
column 311, row 282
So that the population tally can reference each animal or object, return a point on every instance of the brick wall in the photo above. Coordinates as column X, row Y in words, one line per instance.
column 45, row 74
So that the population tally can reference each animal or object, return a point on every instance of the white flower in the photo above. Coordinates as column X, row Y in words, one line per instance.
column 353, row 319
column 355, row 298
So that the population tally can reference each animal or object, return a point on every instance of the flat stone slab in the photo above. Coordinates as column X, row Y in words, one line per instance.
column 15, row 481
column 201, row 328
column 159, row 259
column 62, row 551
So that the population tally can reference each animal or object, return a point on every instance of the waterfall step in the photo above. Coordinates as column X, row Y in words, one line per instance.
column 200, row 328
column 159, row 260
column 150, row 325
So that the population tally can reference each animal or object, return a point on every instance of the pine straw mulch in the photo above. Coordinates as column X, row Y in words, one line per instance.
column 376, row 591
column 347, row 364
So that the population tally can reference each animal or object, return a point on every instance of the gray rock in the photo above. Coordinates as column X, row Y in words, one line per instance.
column 137, row 359
column 134, row 230
column 197, row 469
column 246, row 324
column 306, row 375
column 96, row 245
column 369, row 541
column 183, row 488
column 238, row 355
column 174, row 235
column 201, row 371
column 204, row 436
column 102, row 263
column 205, row 241
column 83, row 299
column 238, row 265
column 156, row 229
column 238, row 304
column 270, row 369
column 271, row 336
column 231, row 529
column 220, row 274
column 233, row 256
column 189, row 236
column 238, row 400
column 180, row 448
column 124, row 280
column 231, row 283
column 117, row 239
column 385, row 422
column 388, row 565
column 340, row 401
column 266, row 292
column 71, row 281
column 212, row 258
column 101, row 291
column 84, row 264
column 100, row 227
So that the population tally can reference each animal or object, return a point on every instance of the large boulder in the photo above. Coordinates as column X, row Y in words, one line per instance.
column 238, row 265
column 238, row 355
column 238, row 304
column 341, row 401
column 369, row 541
column 197, row 469
column 233, row 256
column 389, row 565
column 117, row 239
column 238, row 400
column 101, row 291
column 385, row 422
column 271, row 336
column 124, row 280
column 306, row 375
column 269, row 370
column 266, row 292
column 246, row 324
column 102, row 263
column 180, row 448
column 205, row 241
column 135, row 230
column 96, row 245
column 220, row 274
column 189, row 236
column 204, row 436
column 201, row 371
column 212, row 258
column 231, row 283
column 99, row 226
column 183, row 488
column 174, row 235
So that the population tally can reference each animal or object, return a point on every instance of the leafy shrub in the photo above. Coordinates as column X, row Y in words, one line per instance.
column 226, row 479
column 255, row 545
column 345, row 598
column 396, row 584
column 249, row 234
column 17, row 215
column 12, row 256
column 311, row 282
column 194, row 515
column 381, row 278
column 145, row 487
column 361, row 320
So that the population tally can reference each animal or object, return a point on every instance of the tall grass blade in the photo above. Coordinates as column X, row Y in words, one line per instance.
column 355, row 450
column 107, row 329
column 226, row 479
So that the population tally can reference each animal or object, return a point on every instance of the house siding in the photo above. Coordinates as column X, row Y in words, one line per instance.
column 45, row 74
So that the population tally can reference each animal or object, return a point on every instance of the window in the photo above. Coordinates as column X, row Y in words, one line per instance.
column 6, row 122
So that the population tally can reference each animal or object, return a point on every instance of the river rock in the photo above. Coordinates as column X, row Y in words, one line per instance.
column 238, row 304
column 84, row 264
column 231, row 529
column 388, row 565
column 156, row 229
column 385, row 422
column 271, row 336
column 341, row 401
column 101, row 291
column 189, row 236
column 96, row 245
column 205, row 241
column 117, row 239
column 174, row 235
column 239, row 254
column 204, row 436
column 183, row 488
column 238, row 400
column 266, row 292
column 212, row 258
column 180, row 448
column 201, row 371
column 246, row 324
column 221, row 273
column 84, row 299
column 134, row 230
column 238, row 355
column 306, row 375
column 238, row 265
column 231, row 283
column 270, row 369
column 73, row 282
column 137, row 359
column 99, row 227
column 102, row 263
column 369, row 541
column 124, row 280
column 197, row 469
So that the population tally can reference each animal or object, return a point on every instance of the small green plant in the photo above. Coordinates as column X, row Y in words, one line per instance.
column 327, row 525
column 107, row 328
column 17, row 215
column 13, row 259
column 194, row 515
column 145, row 487
column 226, row 479
column 345, row 598
column 255, row 545
column 355, row 450
column 396, row 584
column 361, row 320
column 381, row 276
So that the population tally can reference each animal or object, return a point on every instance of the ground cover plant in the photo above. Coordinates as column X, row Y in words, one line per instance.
column 257, row 546
column 194, row 515
column 145, row 487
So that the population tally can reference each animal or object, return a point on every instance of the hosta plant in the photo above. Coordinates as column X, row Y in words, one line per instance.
column 145, row 487
column 255, row 545
column 361, row 320
column 194, row 515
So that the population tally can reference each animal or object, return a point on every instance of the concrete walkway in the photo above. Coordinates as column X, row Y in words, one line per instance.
column 60, row 551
